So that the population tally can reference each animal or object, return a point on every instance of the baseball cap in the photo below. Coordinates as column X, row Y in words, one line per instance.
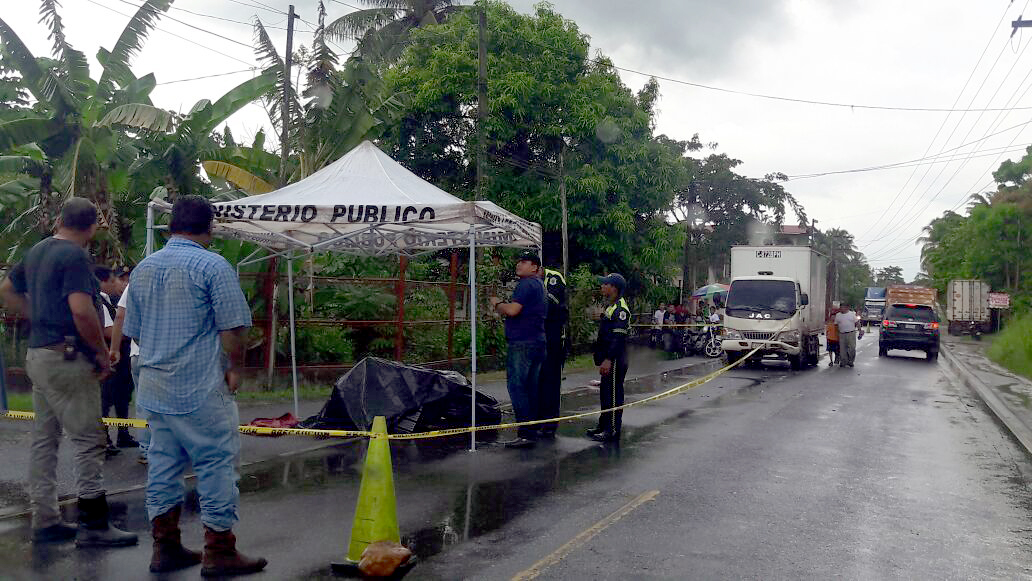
column 614, row 279
column 531, row 257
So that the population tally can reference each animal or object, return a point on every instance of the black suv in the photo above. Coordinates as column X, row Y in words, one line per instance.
column 911, row 328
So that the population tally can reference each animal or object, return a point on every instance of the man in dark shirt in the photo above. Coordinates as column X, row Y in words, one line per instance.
column 67, row 357
column 611, row 357
column 558, row 314
column 525, row 334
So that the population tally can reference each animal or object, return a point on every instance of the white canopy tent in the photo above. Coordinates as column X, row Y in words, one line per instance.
column 365, row 203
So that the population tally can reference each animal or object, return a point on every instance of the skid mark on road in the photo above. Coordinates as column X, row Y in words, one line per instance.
column 585, row 536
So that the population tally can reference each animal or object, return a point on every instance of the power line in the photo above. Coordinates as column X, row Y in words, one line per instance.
column 904, row 216
column 187, row 24
column 942, row 125
column 258, row 6
column 175, row 35
column 901, row 163
column 250, row 70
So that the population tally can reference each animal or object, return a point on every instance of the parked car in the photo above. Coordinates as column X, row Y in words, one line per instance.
column 910, row 327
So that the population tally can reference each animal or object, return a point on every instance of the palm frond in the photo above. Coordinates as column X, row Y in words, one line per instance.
column 41, row 81
column 140, row 116
column 20, row 164
column 25, row 131
column 237, row 176
column 73, row 61
column 356, row 24
column 216, row 113
column 116, row 67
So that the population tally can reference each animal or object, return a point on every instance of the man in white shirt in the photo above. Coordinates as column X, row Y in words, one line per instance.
column 134, row 358
column 846, row 321
column 657, row 317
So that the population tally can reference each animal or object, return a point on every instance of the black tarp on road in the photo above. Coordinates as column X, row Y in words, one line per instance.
column 413, row 399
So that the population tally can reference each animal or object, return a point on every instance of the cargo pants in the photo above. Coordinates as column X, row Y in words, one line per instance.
column 65, row 395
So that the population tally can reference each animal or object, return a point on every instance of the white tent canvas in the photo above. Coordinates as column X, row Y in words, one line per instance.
column 367, row 203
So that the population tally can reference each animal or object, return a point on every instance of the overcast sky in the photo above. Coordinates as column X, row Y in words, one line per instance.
column 914, row 54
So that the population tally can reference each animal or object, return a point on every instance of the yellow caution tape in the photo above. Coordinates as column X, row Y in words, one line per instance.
column 259, row 430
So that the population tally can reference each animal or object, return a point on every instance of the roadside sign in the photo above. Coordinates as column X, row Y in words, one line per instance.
column 999, row 301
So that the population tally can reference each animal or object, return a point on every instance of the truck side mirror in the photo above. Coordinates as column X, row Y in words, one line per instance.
column 804, row 299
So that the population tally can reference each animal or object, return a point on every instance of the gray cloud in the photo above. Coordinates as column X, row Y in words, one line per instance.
column 697, row 37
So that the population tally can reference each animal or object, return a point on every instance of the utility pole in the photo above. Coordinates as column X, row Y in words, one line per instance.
column 834, row 288
column 288, row 62
column 1019, row 23
column 562, row 200
column 481, row 100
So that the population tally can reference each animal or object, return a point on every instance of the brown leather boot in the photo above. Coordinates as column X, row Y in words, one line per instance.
column 222, row 558
column 169, row 553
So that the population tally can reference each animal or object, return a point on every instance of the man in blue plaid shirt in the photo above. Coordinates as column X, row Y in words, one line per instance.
column 185, row 306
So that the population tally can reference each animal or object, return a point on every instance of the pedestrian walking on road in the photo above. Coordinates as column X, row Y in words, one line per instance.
column 832, row 338
column 846, row 321
column 525, row 334
column 556, row 317
column 611, row 357
column 184, row 307
column 67, row 359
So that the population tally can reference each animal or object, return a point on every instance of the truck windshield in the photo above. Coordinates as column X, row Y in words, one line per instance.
column 761, row 299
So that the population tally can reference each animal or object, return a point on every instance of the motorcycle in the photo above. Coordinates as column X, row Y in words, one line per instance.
column 703, row 340
column 975, row 330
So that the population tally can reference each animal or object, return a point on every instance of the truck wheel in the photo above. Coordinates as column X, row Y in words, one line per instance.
column 933, row 355
column 882, row 351
column 795, row 362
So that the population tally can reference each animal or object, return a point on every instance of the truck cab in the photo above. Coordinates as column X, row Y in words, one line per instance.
column 776, row 304
column 765, row 312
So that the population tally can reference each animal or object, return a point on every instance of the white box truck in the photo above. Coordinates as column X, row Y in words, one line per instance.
column 967, row 307
column 777, row 302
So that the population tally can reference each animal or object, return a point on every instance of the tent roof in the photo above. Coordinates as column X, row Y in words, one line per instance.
column 367, row 203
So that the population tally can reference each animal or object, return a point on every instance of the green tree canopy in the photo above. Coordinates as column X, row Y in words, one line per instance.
column 551, row 107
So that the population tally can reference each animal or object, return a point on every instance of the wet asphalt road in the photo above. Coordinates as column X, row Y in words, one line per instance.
column 884, row 471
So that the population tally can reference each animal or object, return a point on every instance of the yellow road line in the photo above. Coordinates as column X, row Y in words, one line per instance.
column 585, row 536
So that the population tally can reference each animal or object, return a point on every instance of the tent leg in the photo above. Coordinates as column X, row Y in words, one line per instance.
column 293, row 346
column 149, row 245
column 473, row 335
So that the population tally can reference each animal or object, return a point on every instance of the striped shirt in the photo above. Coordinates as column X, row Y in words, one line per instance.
column 183, row 296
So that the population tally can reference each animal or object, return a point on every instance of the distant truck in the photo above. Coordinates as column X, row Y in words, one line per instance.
column 906, row 294
column 967, row 307
column 777, row 303
column 910, row 322
column 874, row 305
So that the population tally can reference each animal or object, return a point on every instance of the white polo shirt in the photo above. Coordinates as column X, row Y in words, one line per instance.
column 846, row 322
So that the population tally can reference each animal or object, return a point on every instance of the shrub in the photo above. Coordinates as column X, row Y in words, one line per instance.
column 1013, row 346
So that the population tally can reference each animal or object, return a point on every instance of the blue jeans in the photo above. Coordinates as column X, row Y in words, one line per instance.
column 134, row 366
column 208, row 439
column 523, row 368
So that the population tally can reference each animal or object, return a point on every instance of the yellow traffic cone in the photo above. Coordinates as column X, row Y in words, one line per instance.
column 376, row 514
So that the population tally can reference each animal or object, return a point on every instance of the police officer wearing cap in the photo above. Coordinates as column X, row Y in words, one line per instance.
column 556, row 318
column 611, row 356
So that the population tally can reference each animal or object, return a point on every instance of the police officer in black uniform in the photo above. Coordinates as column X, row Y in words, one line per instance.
column 557, row 316
column 611, row 357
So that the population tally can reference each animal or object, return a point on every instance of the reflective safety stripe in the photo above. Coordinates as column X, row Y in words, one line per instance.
column 619, row 330
column 549, row 272
column 612, row 308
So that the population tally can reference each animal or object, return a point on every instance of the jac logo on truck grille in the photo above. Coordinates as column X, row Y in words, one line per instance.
column 768, row 254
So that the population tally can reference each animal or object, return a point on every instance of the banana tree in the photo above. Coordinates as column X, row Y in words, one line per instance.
column 81, row 153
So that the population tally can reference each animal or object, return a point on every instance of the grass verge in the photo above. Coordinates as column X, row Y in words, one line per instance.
column 21, row 402
column 1012, row 347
